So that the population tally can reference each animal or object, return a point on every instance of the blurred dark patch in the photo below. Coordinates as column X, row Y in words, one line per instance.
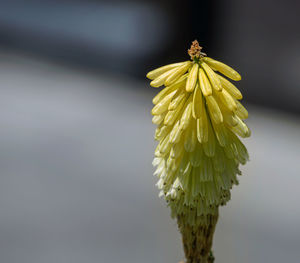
column 261, row 40
column 123, row 36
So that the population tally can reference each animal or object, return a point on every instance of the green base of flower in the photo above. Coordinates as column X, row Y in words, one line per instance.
column 211, row 258
column 197, row 242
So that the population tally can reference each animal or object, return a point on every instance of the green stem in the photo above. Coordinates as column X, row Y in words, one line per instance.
column 197, row 241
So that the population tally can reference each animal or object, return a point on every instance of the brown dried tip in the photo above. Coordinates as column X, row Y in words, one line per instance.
column 195, row 50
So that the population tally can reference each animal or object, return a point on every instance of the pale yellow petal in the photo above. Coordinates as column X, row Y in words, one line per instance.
column 158, row 119
column 157, row 152
column 207, row 174
column 176, row 133
column 172, row 166
column 204, row 83
column 185, row 170
column 223, row 68
column 167, row 90
column 241, row 149
column 233, row 90
column 192, row 78
column 184, row 165
column 162, row 132
column 177, row 73
column 196, row 156
column 173, row 114
column 228, row 115
column 190, row 137
column 209, row 146
column 221, row 133
column 214, row 110
column 241, row 129
column 159, row 71
column 159, row 81
column 178, row 97
column 219, row 160
column 214, row 80
column 163, row 105
column 187, row 114
column 230, row 118
column 241, row 112
column 227, row 100
column 197, row 103
column 177, row 149
column 165, row 145
column 194, row 181
column 157, row 131
column 202, row 130
column 162, row 94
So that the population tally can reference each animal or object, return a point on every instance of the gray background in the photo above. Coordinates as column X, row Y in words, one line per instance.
column 76, row 183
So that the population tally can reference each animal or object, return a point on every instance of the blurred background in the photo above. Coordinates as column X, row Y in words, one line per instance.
column 76, row 136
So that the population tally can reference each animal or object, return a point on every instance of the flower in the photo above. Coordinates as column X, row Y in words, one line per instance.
column 199, row 118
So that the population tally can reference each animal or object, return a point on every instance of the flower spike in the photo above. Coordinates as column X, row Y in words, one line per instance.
column 198, row 117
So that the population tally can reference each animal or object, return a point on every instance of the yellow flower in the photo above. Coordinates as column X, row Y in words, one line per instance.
column 199, row 116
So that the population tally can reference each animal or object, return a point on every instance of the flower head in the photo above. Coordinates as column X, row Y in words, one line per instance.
column 199, row 118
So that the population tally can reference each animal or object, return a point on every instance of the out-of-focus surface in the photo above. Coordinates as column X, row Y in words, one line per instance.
column 76, row 184
column 259, row 38
column 263, row 39
column 117, row 36
column 77, row 140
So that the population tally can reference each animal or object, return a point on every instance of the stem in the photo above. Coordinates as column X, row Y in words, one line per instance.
column 197, row 241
